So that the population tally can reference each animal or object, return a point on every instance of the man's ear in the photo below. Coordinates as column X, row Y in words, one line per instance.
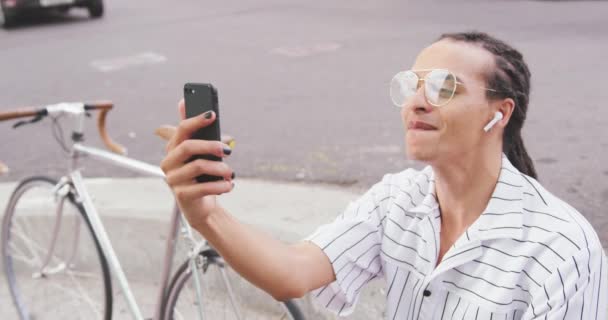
column 506, row 107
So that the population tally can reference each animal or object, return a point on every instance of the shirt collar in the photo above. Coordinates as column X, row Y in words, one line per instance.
column 503, row 216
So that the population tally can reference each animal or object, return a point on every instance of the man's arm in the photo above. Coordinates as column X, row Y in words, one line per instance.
column 284, row 271
column 577, row 289
column 281, row 270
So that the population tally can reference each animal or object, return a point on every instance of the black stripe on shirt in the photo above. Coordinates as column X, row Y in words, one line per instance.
column 533, row 186
column 403, row 191
column 542, row 244
column 501, row 213
column 456, row 308
column 346, row 264
column 388, row 293
column 343, row 233
column 547, row 214
column 479, row 278
column 512, row 185
column 352, row 246
column 407, row 230
column 558, row 232
column 547, row 294
column 361, row 272
column 445, row 305
column 508, row 271
column 416, row 301
column 357, row 259
column 420, row 190
column 401, row 296
column 409, row 309
column 484, row 298
column 504, row 199
column 459, row 253
column 405, row 212
column 563, row 286
column 405, row 246
column 599, row 286
column 434, row 238
column 403, row 261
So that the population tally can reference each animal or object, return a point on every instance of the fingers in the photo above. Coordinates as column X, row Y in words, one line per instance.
column 185, row 150
column 228, row 140
column 187, row 173
column 181, row 107
column 198, row 190
column 187, row 127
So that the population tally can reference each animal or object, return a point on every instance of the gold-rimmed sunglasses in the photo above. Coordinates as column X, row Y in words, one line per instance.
column 439, row 86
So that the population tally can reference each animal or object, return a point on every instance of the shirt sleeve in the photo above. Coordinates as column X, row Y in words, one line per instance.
column 352, row 244
column 577, row 289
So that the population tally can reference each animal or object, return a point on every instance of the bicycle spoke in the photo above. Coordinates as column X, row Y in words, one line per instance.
column 86, row 296
column 38, row 244
column 76, row 295
column 21, row 234
column 20, row 256
column 35, row 247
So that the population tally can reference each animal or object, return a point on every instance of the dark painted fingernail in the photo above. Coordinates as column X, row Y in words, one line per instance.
column 233, row 175
column 227, row 150
column 208, row 114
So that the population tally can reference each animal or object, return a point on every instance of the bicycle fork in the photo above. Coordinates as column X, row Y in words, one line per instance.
column 61, row 191
column 105, row 243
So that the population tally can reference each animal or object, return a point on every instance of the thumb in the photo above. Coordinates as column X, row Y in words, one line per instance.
column 181, row 107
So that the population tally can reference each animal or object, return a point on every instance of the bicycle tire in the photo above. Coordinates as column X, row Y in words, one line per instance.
column 8, row 259
column 183, row 274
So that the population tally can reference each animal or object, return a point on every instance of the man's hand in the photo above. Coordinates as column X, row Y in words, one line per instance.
column 196, row 200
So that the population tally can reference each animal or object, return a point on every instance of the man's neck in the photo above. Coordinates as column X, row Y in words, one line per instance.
column 464, row 186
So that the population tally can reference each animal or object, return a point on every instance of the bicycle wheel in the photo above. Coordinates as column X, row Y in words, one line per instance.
column 51, row 258
column 225, row 296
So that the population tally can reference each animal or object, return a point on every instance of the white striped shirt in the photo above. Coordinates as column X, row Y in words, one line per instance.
column 529, row 255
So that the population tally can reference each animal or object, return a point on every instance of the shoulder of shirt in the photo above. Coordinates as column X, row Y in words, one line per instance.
column 558, row 224
column 406, row 178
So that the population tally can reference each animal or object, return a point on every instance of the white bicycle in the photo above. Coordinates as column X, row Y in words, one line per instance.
column 58, row 259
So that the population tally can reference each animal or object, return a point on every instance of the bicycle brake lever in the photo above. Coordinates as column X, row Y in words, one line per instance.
column 24, row 122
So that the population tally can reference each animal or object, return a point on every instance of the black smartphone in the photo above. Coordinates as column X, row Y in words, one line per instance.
column 200, row 98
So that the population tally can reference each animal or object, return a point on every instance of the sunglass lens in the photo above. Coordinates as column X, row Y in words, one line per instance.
column 439, row 87
column 403, row 86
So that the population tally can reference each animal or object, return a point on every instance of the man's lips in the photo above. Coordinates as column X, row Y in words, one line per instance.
column 419, row 125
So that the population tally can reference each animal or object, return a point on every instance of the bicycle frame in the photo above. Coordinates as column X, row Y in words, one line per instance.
column 74, row 178
column 177, row 221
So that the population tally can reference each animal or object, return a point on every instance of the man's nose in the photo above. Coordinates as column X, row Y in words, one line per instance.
column 418, row 103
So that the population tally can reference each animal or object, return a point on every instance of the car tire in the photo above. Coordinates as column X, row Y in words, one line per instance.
column 95, row 9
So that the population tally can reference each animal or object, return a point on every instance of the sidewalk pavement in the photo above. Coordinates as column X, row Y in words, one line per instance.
column 136, row 212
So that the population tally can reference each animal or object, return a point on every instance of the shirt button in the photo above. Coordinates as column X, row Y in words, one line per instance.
column 426, row 293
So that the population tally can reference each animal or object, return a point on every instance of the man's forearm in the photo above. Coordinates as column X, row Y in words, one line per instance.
column 266, row 262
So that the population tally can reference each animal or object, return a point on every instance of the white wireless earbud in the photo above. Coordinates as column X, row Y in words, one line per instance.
column 497, row 117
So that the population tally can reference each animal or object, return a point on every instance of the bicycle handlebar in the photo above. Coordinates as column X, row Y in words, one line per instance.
column 71, row 108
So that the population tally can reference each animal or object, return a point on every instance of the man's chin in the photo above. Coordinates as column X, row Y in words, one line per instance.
column 419, row 155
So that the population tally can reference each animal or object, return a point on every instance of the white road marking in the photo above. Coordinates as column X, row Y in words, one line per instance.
column 115, row 64
column 305, row 51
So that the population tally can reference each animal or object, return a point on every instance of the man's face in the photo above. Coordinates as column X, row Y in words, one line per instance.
column 459, row 124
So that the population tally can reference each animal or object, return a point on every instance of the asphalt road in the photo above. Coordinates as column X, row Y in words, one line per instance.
column 303, row 85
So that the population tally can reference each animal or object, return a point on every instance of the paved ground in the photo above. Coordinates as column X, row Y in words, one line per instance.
column 303, row 88
column 303, row 85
